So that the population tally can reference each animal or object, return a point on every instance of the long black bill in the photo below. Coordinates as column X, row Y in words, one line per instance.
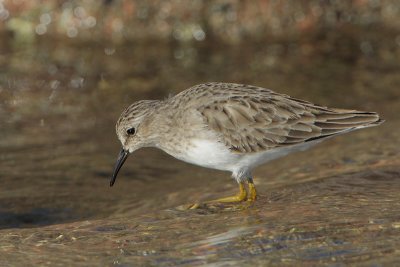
column 123, row 155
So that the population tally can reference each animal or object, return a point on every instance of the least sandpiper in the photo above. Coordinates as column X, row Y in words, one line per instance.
column 232, row 127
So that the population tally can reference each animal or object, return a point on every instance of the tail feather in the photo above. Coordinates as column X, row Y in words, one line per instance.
column 358, row 119
column 338, row 121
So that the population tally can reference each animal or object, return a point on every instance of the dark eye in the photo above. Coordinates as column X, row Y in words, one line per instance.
column 130, row 131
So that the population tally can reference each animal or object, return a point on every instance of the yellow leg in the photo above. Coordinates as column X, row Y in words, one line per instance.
column 237, row 198
column 252, row 191
column 251, row 196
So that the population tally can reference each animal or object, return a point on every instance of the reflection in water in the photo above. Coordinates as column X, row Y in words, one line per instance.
column 338, row 202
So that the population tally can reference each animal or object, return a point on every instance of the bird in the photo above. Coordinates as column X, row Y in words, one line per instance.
column 232, row 127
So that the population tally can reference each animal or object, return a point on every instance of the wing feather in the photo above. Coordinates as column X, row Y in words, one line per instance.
column 253, row 119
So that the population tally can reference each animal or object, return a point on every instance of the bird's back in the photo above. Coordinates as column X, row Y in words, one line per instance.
column 254, row 119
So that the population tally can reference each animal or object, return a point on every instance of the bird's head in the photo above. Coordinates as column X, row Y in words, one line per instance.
column 133, row 131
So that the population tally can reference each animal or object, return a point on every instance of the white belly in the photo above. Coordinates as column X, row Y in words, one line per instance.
column 215, row 155
column 210, row 154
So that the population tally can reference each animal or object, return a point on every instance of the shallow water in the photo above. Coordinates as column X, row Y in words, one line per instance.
column 336, row 203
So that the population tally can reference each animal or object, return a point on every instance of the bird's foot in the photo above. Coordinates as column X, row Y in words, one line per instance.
column 243, row 195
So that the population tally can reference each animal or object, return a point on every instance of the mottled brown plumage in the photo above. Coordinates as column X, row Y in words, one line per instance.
column 232, row 127
column 253, row 119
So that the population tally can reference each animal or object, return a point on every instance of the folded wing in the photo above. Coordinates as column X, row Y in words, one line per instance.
column 262, row 121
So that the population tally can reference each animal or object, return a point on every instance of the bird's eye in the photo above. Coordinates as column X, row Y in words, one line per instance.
column 130, row 131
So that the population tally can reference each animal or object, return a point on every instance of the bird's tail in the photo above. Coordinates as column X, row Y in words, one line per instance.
column 337, row 121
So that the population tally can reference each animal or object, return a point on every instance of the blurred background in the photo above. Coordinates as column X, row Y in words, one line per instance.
column 69, row 68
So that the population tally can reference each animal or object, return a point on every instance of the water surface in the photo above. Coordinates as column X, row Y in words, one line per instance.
column 336, row 203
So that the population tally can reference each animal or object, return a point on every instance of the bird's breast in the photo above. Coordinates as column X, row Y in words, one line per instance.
column 206, row 153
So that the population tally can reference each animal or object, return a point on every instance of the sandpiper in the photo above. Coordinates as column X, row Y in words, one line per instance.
column 232, row 127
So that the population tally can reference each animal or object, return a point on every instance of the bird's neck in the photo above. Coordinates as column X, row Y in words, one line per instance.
column 158, row 123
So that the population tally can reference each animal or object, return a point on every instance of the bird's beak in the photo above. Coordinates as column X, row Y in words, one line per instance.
column 123, row 155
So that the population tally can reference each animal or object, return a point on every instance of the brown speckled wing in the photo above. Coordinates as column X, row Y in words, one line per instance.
column 252, row 119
